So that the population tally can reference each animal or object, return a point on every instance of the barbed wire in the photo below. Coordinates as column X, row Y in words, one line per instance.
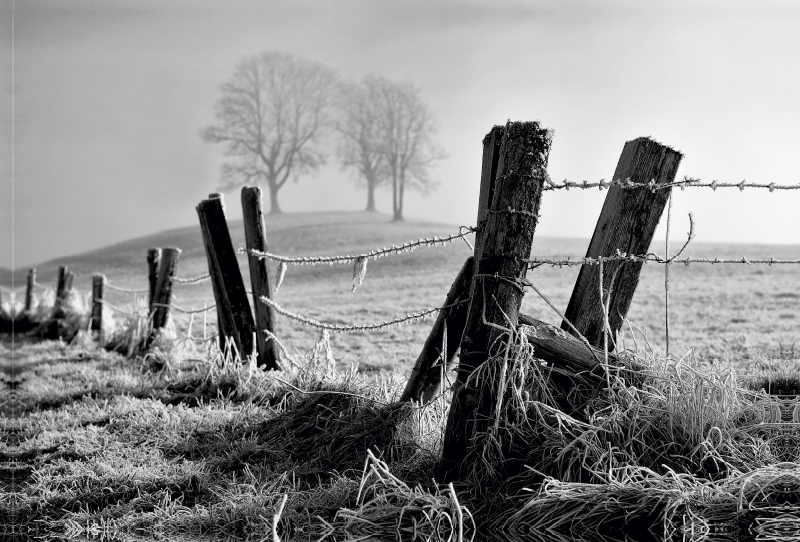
column 687, row 182
column 185, row 310
column 127, row 290
column 655, row 258
column 375, row 254
column 193, row 280
column 355, row 328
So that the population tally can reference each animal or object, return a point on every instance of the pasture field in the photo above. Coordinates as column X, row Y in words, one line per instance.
column 189, row 445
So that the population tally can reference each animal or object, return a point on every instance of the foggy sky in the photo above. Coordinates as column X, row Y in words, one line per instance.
column 110, row 97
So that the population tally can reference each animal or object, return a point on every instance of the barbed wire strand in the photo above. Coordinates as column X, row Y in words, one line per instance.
column 185, row 310
column 374, row 254
column 655, row 258
column 687, row 182
column 192, row 280
column 127, row 290
column 354, row 328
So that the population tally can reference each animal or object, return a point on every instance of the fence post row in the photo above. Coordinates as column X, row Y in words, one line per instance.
column 153, row 260
column 163, row 291
column 507, row 218
column 98, row 287
column 256, row 239
column 233, row 309
column 627, row 223
column 29, row 289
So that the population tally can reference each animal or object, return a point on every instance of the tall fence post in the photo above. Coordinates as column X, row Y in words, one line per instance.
column 163, row 293
column 233, row 309
column 436, row 356
column 627, row 223
column 29, row 289
column 153, row 259
column 256, row 239
column 507, row 217
column 98, row 287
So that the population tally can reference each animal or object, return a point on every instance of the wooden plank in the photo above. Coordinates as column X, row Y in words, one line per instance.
column 232, row 305
column 627, row 223
column 98, row 287
column 426, row 377
column 163, row 295
column 153, row 259
column 496, row 294
column 558, row 347
column 29, row 289
column 269, row 354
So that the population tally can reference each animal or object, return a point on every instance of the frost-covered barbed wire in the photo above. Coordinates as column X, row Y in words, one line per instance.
column 185, row 310
column 126, row 290
column 375, row 254
column 655, row 258
column 192, row 280
column 686, row 182
column 355, row 328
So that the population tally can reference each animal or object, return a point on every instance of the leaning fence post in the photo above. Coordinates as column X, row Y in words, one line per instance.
column 256, row 239
column 233, row 309
column 153, row 259
column 504, row 239
column 163, row 294
column 98, row 286
column 29, row 289
column 426, row 377
column 627, row 224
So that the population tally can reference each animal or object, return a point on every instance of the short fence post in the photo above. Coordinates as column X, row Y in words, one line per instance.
column 163, row 294
column 627, row 223
column 256, row 239
column 233, row 309
column 61, row 284
column 153, row 259
column 98, row 287
column 69, row 280
column 426, row 377
column 507, row 217
column 29, row 289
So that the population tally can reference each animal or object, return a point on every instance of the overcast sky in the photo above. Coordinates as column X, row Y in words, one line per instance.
column 110, row 95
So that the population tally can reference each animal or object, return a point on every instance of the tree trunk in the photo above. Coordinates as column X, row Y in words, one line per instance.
column 398, row 201
column 274, row 207
column 370, row 196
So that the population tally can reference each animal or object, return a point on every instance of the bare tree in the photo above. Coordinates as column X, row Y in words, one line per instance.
column 271, row 116
column 389, row 135
column 359, row 144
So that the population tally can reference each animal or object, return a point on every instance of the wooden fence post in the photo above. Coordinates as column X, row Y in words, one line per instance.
column 61, row 284
column 233, row 309
column 255, row 235
column 29, row 289
column 69, row 280
column 627, row 223
column 163, row 293
column 426, row 377
column 503, row 245
column 98, row 287
column 153, row 259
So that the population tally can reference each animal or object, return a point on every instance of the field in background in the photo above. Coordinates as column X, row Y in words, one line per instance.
column 737, row 312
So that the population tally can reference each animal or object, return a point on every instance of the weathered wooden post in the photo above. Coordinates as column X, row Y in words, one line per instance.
column 153, row 259
column 425, row 380
column 29, row 289
column 507, row 216
column 233, row 309
column 163, row 292
column 69, row 280
column 255, row 235
column 61, row 284
column 98, row 287
column 627, row 223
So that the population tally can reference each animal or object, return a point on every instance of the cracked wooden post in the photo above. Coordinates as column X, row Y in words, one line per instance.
column 153, row 259
column 98, row 287
column 508, row 214
column 426, row 377
column 29, row 289
column 163, row 295
column 233, row 309
column 627, row 223
column 269, row 354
